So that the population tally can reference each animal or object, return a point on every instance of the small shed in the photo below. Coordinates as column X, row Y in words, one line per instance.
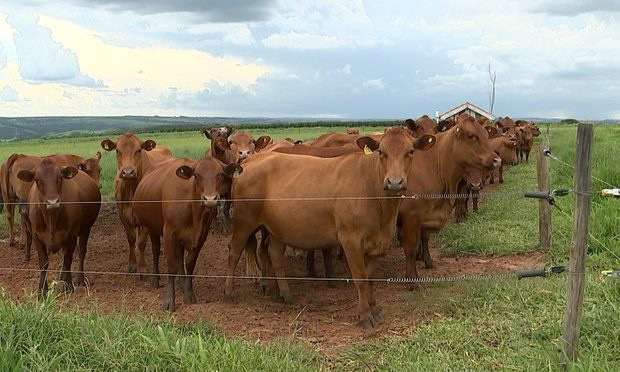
column 466, row 107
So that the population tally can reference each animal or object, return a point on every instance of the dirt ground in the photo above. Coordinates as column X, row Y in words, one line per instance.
column 321, row 316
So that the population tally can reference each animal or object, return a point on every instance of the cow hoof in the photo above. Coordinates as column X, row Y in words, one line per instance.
column 68, row 287
column 229, row 297
column 132, row 270
column 169, row 306
column 81, row 281
column 429, row 264
column 376, row 315
column 154, row 281
column 501, row 181
column 369, row 323
column 287, row 299
column 189, row 299
column 414, row 286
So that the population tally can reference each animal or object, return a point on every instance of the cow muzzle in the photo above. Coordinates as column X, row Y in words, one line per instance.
column 52, row 203
column 210, row 201
column 497, row 161
column 128, row 173
column 476, row 186
column 243, row 154
column 395, row 184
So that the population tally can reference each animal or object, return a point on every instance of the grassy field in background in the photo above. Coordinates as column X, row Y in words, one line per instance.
column 502, row 325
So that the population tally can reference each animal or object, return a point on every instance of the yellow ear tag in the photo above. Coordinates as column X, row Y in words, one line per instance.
column 367, row 150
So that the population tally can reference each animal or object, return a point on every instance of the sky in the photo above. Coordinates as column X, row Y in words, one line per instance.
column 348, row 59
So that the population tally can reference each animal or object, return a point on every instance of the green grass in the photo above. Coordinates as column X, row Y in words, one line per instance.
column 38, row 337
column 472, row 326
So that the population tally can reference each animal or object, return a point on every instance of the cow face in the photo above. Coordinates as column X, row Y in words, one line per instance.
column 129, row 150
column 474, row 179
column 48, row 178
column 242, row 145
column 424, row 125
column 211, row 179
column 92, row 168
column 395, row 154
column 472, row 146
column 507, row 151
column 444, row 125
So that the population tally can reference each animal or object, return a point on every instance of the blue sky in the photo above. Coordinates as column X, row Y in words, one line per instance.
column 310, row 58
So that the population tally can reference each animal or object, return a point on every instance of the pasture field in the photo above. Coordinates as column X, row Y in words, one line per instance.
column 500, row 325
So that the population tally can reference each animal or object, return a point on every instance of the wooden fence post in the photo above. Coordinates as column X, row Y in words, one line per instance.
column 544, row 209
column 579, row 244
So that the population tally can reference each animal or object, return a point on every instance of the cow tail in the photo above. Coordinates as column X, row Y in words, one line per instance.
column 7, row 175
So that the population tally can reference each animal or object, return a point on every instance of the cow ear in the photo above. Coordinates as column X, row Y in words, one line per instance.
column 261, row 142
column 68, row 172
column 492, row 131
column 149, row 145
column 232, row 168
column 410, row 123
column 98, row 156
column 108, row 145
column 298, row 142
column 25, row 175
column 424, row 142
column 185, row 172
column 81, row 166
column 229, row 130
column 366, row 141
column 206, row 133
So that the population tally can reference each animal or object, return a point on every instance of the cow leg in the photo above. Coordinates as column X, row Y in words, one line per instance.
column 355, row 259
column 156, row 250
column 172, row 251
column 131, row 240
column 269, row 286
column 276, row 253
column 10, row 217
column 371, row 265
column 328, row 264
column 474, row 200
column 190, row 265
column 43, row 265
column 226, row 212
column 527, row 156
column 65, row 274
column 411, row 242
column 142, row 234
column 240, row 239
column 426, row 255
column 310, row 267
column 501, row 174
column 82, row 247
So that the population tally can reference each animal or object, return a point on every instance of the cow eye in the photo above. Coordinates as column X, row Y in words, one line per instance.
column 410, row 153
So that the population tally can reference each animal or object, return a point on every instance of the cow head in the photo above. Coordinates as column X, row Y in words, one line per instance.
column 48, row 178
column 474, row 179
column 92, row 168
column 211, row 179
column 472, row 146
column 444, row 125
column 353, row 131
column 242, row 145
column 424, row 125
column 506, row 150
column 129, row 150
column 395, row 153
column 218, row 137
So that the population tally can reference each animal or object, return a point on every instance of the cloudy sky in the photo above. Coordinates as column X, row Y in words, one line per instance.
column 318, row 58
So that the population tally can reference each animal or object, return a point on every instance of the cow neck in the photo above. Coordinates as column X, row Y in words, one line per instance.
column 449, row 171
column 199, row 214
column 218, row 153
column 370, row 171
column 51, row 218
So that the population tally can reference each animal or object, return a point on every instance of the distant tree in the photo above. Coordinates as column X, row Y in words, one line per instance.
column 569, row 121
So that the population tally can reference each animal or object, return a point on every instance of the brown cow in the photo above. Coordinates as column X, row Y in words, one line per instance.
column 423, row 125
column 243, row 144
column 444, row 125
column 64, row 205
column 134, row 158
column 526, row 139
column 16, row 191
column 439, row 171
column 507, row 151
column 363, row 227
column 183, row 224
column 469, row 188
column 335, row 139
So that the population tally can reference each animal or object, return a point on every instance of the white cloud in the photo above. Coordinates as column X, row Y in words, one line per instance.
column 346, row 69
column 233, row 33
column 302, row 41
column 374, row 83
column 8, row 94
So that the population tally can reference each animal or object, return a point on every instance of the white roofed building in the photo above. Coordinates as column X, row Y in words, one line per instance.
column 466, row 107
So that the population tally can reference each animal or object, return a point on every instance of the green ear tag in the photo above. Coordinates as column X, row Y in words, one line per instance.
column 367, row 150
column 235, row 173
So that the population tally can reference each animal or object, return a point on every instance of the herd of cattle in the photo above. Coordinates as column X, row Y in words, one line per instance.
column 341, row 190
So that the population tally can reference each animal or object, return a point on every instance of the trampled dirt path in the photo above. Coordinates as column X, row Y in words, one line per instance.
column 324, row 317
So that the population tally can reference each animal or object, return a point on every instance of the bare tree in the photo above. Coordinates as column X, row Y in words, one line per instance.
column 492, row 78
